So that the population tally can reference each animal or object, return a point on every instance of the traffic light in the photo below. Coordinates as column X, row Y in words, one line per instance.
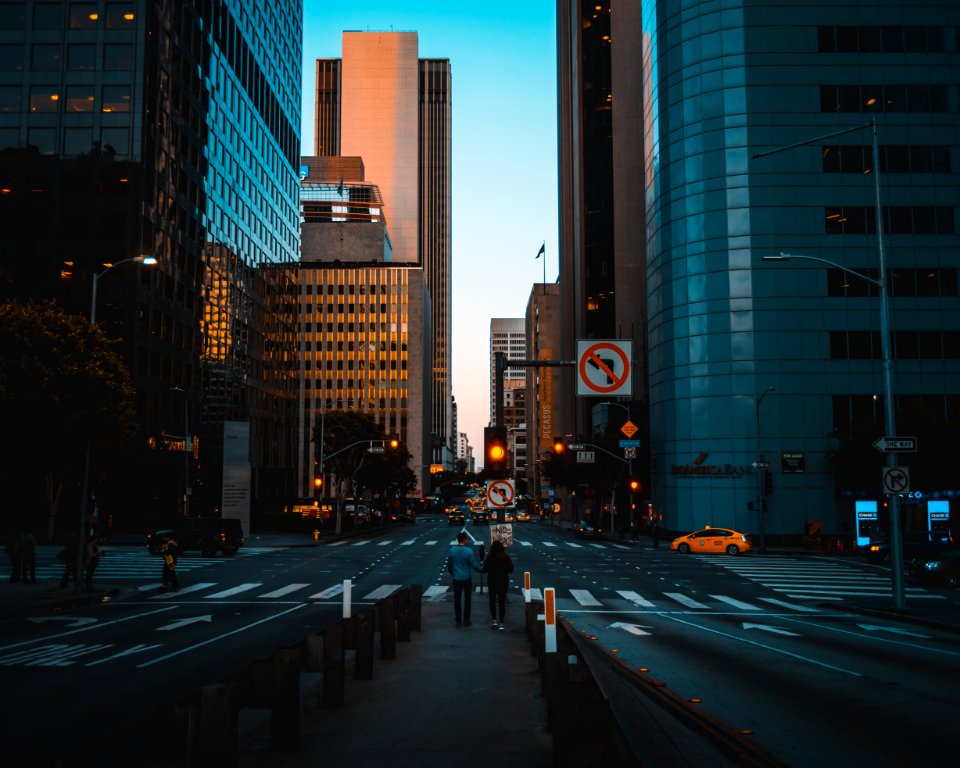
column 767, row 483
column 495, row 452
column 558, row 445
column 393, row 442
column 635, row 485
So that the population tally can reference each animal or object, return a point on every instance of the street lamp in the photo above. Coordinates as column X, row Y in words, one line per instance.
column 82, row 543
column 629, row 468
column 889, row 411
column 186, row 450
column 761, row 498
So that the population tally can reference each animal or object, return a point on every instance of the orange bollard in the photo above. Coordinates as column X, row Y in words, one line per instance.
column 316, row 534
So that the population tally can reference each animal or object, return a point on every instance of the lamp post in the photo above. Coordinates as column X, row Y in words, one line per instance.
column 629, row 468
column 186, row 450
column 82, row 542
column 889, row 411
column 761, row 497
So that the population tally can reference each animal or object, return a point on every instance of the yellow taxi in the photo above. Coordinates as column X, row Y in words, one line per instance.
column 712, row 540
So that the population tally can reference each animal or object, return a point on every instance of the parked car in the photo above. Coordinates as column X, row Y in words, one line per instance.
column 587, row 530
column 943, row 568
column 710, row 539
column 208, row 535
column 915, row 544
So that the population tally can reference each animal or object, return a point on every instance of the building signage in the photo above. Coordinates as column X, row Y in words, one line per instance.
column 701, row 468
column 793, row 462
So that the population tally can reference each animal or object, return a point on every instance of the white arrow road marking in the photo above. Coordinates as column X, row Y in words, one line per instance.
column 768, row 628
column 633, row 629
column 184, row 622
column 129, row 652
column 75, row 621
column 895, row 630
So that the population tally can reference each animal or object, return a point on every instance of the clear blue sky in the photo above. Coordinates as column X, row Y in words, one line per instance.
column 503, row 62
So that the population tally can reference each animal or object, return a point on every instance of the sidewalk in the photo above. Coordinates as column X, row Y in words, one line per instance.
column 466, row 697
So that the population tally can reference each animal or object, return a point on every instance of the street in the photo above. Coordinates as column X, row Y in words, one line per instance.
column 765, row 643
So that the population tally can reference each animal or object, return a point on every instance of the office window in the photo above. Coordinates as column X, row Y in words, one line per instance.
column 81, row 57
column 44, row 98
column 43, row 140
column 13, row 15
column 79, row 98
column 117, row 56
column 120, row 16
column 83, row 16
column 77, row 141
column 9, row 139
column 10, row 98
column 116, row 98
column 47, row 15
column 45, row 58
column 11, row 58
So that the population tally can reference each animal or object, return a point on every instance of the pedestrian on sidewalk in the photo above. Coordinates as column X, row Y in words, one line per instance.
column 69, row 555
column 28, row 558
column 13, row 551
column 169, row 553
column 498, row 566
column 459, row 564
column 92, row 560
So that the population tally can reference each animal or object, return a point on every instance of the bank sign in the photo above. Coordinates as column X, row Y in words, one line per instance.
column 700, row 467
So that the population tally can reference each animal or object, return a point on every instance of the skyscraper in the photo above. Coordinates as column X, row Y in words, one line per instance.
column 757, row 138
column 381, row 102
column 171, row 129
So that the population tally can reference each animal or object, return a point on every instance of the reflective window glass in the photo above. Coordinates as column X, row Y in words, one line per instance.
column 84, row 16
column 81, row 57
column 13, row 15
column 77, row 141
column 79, row 98
column 11, row 58
column 118, row 56
column 10, row 98
column 45, row 58
column 43, row 141
column 120, row 16
column 9, row 139
column 115, row 141
column 906, row 345
column 47, row 15
column 116, row 98
column 44, row 98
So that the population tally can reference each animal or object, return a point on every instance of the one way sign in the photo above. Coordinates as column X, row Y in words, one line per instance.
column 896, row 444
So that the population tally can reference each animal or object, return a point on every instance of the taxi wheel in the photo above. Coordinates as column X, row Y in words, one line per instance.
column 733, row 549
column 683, row 549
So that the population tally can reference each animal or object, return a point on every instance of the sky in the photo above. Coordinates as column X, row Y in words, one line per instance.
column 504, row 168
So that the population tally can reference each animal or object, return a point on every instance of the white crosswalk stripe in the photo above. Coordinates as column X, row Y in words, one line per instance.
column 549, row 544
column 384, row 590
column 584, row 597
column 233, row 591
column 574, row 545
column 282, row 591
column 598, row 546
column 435, row 592
column 685, row 600
column 200, row 585
column 736, row 603
column 633, row 597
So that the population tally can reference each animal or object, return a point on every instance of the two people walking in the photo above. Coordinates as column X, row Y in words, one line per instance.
column 498, row 566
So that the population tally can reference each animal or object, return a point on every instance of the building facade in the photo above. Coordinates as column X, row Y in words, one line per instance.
column 380, row 101
column 507, row 335
column 365, row 319
column 759, row 139
column 171, row 129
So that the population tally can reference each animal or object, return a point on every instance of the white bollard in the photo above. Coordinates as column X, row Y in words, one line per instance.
column 347, row 586
column 550, row 620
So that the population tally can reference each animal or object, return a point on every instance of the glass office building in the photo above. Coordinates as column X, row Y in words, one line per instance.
column 754, row 361
column 166, row 128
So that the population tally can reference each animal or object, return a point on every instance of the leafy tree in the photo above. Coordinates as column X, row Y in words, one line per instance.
column 345, row 437
column 63, row 386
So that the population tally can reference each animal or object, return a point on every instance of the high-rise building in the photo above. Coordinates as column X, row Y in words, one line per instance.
column 507, row 335
column 170, row 129
column 365, row 318
column 760, row 138
column 381, row 102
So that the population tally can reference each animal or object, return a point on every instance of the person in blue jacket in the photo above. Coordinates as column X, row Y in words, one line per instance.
column 459, row 564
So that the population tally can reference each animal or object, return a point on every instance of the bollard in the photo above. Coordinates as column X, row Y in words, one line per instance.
column 313, row 652
column 363, row 658
column 550, row 620
column 333, row 666
column 217, row 738
column 285, row 701
column 403, row 615
column 316, row 534
column 347, row 591
column 526, row 586
column 388, row 631
column 416, row 606
column 180, row 749
column 259, row 683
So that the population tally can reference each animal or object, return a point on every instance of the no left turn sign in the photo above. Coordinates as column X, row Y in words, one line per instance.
column 896, row 480
column 500, row 493
column 603, row 367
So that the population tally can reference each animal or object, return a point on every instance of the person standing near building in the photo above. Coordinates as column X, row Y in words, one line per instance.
column 169, row 553
column 91, row 561
column 459, row 564
column 69, row 555
column 498, row 566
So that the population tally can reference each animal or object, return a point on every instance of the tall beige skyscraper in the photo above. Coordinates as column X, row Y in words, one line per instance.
column 380, row 101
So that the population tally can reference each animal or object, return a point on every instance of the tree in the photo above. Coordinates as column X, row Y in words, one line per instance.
column 62, row 385
column 346, row 437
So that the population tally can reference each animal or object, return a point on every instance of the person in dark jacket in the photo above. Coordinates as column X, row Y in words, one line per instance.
column 498, row 566
column 460, row 564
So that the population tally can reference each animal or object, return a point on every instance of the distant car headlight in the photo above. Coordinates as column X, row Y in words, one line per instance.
column 931, row 565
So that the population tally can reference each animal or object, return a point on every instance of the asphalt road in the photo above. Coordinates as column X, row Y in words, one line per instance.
column 761, row 642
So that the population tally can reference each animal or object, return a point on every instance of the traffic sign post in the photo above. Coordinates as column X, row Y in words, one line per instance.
column 604, row 368
column 896, row 480
column 896, row 444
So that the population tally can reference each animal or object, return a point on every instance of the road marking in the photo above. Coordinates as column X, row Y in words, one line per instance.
column 598, row 546
column 735, row 603
column 86, row 628
column 895, row 630
column 768, row 628
column 791, row 606
column 360, row 543
column 329, row 592
column 525, row 543
column 430, row 543
column 536, row 594
column 549, row 544
column 385, row 543
column 233, row 590
column 435, row 592
column 634, row 598
column 282, row 591
column 584, row 597
column 186, row 590
column 75, row 621
column 684, row 600
column 575, row 546
column 129, row 652
column 633, row 629
column 408, row 542
column 185, row 622
column 58, row 655
column 244, row 628
column 384, row 590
